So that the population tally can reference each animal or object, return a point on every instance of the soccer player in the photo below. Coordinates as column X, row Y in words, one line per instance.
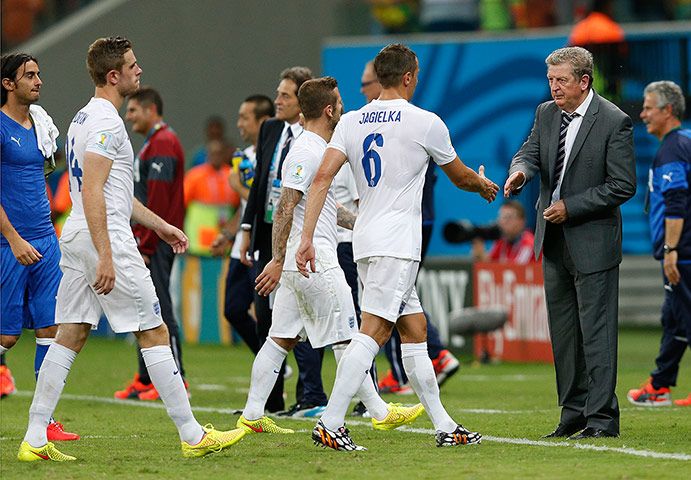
column 159, row 170
column 102, row 270
column 29, row 251
column 388, row 143
column 320, row 307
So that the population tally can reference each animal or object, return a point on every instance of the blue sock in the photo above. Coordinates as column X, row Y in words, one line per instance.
column 42, row 346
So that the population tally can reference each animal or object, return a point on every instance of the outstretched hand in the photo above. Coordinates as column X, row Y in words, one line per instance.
column 513, row 183
column 489, row 188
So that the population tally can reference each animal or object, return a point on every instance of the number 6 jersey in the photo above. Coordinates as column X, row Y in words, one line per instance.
column 98, row 128
column 388, row 144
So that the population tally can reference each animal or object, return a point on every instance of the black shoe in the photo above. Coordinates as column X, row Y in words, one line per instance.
column 564, row 430
column 360, row 411
column 590, row 432
column 303, row 410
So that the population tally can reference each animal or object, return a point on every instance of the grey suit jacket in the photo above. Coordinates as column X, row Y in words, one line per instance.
column 600, row 175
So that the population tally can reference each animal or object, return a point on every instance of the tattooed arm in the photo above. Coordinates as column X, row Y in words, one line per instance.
column 345, row 218
column 283, row 222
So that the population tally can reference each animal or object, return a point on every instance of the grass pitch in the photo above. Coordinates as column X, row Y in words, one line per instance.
column 512, row 405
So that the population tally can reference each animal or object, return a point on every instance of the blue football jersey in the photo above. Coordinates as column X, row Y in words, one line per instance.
column 22, row 183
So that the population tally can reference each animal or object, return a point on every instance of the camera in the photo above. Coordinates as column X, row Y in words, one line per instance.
column 462, row 231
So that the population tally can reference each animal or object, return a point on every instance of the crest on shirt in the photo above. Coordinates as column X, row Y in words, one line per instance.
column 299, row 174
column 103, row 140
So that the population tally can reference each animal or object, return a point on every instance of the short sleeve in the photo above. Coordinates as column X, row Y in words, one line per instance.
column 338, row 139
column 438, row 142
column 299, row 169
column 105, row 139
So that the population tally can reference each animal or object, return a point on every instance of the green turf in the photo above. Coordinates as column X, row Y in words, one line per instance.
column 506, row 401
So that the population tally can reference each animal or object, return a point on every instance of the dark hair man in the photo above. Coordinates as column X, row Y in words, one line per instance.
column 102, row 270
column 29, row 250
column 276, row 136
column 397, row 140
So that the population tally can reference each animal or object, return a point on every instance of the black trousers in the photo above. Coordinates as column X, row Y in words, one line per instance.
column 238, row 299
column 582, row 313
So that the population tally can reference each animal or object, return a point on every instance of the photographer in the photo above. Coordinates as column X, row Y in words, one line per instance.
column 516, row 242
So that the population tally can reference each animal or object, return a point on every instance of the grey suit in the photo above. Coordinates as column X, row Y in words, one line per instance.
column 581, row 256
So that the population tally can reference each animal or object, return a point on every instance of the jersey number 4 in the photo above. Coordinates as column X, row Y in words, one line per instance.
column 73, row 164
column 371, row 161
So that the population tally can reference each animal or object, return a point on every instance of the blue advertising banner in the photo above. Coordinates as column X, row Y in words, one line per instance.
column 486, row 92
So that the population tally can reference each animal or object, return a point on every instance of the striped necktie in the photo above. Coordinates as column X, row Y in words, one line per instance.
column 566, row 119
column 285, row 150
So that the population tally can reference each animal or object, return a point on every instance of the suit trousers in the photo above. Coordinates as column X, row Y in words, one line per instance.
column 582, row 313
column 238, row 299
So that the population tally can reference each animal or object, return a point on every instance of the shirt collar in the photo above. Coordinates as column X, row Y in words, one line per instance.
column 583, row 107
column 295, row 127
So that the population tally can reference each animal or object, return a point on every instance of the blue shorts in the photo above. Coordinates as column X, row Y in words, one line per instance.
column 28, row 291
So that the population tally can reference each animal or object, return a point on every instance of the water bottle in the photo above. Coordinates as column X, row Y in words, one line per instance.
column 246, row 168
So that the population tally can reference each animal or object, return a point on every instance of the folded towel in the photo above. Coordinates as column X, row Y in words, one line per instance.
column 46, row 132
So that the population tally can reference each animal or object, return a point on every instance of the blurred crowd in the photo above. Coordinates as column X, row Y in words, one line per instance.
column 406, row 16
column 21, row 19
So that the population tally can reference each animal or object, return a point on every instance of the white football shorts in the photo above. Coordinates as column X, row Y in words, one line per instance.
column 388, row 287
column 131, row 306
column 319, row 307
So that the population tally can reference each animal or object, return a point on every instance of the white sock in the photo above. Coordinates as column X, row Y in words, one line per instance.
column 351, row 372
column 3, row 350
column 51, row 380
column 420, row 371
column 377, row 407
column 265, row 370
column 165, row 375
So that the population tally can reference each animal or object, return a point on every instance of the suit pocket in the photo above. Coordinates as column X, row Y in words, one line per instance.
column 604, row 221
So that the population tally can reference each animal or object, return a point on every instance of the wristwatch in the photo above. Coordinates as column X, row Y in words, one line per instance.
column 668, row 249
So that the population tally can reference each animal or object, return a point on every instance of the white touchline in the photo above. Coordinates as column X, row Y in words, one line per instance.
column 490, row 438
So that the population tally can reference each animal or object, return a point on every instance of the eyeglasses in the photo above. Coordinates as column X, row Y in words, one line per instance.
column 366, row 84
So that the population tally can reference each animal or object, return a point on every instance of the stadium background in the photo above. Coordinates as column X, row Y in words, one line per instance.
column 206, row 57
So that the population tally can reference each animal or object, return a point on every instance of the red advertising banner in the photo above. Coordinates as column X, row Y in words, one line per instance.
column 519, row 289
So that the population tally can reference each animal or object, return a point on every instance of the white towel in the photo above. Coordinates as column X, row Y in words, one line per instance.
column 46, row 132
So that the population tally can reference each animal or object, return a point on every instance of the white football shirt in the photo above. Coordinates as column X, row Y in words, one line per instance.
column 346, row 194
column 388, row 144
column 98, row 128
column 299, row 168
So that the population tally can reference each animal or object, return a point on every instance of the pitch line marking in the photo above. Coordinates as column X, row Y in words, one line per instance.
column 515, row 441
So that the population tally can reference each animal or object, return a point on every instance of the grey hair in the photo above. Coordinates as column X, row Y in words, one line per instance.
column 668, row 93
column 581, row 61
